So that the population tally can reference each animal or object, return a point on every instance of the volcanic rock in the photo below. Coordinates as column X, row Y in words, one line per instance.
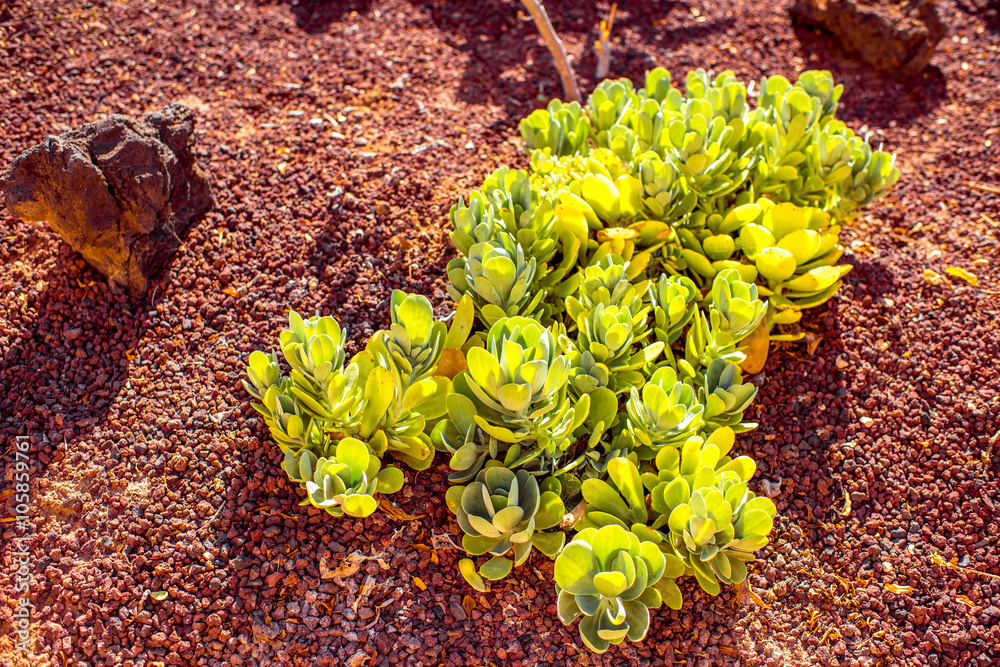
column 120, row 191
column 894, row 36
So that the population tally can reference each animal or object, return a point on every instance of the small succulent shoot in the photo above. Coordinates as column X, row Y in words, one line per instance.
column 612, row 579
column 503, row 512
column 608, row 282
column 560, row 129
column 664, row 414
column 498, row 277
column 414, row 342
column 263, row 373
column 735, row 311
column 474, row 223
column 344, row 483
column 675, row 300
column 725, row 396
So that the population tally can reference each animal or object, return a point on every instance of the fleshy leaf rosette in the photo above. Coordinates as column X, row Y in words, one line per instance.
column 716, row 523
column 344, row 483
column 502, row 511
column 665, row 413
column 612, row 579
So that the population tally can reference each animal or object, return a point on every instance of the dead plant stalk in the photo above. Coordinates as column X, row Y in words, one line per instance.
column 544, row 25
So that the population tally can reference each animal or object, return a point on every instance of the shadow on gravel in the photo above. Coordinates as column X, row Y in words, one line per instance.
column 63, row 372
column 315, row 16
column 874, row 98
column 510, row 66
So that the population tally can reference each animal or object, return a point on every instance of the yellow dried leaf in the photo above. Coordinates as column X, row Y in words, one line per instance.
column 899, row 590
column 468, row 604
column 756, row 599
column 231, row 292
column 420, row 583
column 933, row 277
column 963, row 274
column 847, row 504
column 964, row 599
column 812, row 342
column 755, row 347
column 282, row 167
column 452, row 363
column 159, row 596
column 396, row 513
column 939, row 560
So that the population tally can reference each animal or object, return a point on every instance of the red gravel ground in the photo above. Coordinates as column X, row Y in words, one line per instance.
column 151, row 472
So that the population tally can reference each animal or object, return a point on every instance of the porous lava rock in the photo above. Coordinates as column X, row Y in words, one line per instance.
column 894, row 36
column 120, row 191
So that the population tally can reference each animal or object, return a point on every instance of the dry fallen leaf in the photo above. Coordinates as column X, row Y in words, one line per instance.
column 933, row 277
column 420, row 583
column 847, row 504
column 755, row 346
column 396, row 513
column 812, row 342
column 468, row 604
column 964, row 599
column 963, row 274
column 452, row 363
column 899, row 590
column 939, row 560
column 348, row 566
column 756, row 598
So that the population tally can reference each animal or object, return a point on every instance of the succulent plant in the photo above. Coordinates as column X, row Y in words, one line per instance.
column 794, row 249
column 518, row 386
column 475, row 223
column 497, row 277
column 502, row 511
column 561, row 129
column 736, row 310
column 346, row 481
column 665, row 413
column 725, row 396
column 675, row 302
column 715, row 522
column 469, row 446
column 607, row 282
column 414, row 342
column 609, row 299
column 664, row 196
column 612, row 579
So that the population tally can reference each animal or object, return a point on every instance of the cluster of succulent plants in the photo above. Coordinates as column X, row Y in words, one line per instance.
column 334, row 421
column 606, row 300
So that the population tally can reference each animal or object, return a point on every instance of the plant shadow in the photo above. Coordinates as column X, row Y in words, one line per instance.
column 509, row 65
column 315, row 16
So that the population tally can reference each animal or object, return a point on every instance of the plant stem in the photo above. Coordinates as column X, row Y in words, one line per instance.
column 552, row 40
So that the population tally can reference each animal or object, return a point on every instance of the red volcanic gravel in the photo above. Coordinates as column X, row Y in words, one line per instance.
column 337, row 134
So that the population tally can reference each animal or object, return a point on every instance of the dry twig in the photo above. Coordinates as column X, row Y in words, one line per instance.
column 552, row 40
column 603, row 45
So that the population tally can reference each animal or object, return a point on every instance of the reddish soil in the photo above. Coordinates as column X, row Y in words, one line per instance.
column 151, row 472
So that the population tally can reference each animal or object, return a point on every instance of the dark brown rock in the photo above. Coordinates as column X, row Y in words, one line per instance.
column 120, row 191
column 894, row 36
